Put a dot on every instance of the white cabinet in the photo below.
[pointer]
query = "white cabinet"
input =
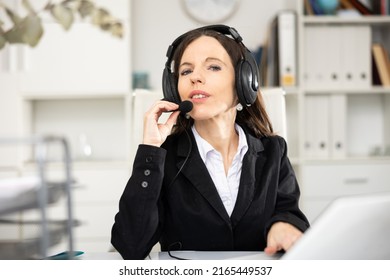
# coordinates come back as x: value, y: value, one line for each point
x: 96, y: 202
x: 83, y: 60
x: 322, y: 183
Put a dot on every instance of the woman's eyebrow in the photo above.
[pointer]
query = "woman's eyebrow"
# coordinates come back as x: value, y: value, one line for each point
x: 208, y: 59
x: 215, y: 59
x: 185, y: 64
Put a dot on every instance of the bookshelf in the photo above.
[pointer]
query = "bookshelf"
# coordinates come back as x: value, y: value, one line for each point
x: 343, y: 139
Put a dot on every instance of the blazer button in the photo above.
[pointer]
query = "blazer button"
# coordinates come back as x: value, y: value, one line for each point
x: 147, y: 172
x: 148, y: 159
x: 144, y: 184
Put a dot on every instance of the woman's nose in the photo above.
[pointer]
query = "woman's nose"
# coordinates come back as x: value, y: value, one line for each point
x: 197, y: 77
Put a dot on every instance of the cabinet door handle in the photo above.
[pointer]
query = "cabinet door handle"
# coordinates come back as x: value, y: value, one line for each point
x: 355, y: 181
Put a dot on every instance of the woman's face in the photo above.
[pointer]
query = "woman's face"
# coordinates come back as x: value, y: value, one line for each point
x: 206, y: 78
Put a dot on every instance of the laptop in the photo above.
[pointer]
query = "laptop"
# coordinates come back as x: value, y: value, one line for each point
x: 350, y: 228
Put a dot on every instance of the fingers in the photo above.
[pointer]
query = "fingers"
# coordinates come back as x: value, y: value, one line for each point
x: 155, y: 133
x: 282, y: 236
x: 272, y: 246
x: 271, y: 250
x: 171, y: 121
x: 160, y: 107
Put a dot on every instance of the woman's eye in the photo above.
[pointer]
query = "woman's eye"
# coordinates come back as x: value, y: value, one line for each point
x: 185, y: 72
x: 214, y: 67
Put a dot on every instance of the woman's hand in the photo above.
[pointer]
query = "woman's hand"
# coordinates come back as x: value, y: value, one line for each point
x: 155, y: 133
x: 281, y: 236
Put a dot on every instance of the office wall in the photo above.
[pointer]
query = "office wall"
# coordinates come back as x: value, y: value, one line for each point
x: 157, y: 23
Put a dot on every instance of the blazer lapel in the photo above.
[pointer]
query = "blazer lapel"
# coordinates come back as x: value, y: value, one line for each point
x: 253, y: 163
x: 204, y: 184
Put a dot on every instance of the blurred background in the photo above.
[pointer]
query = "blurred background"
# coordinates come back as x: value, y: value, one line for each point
x: 82, y: 78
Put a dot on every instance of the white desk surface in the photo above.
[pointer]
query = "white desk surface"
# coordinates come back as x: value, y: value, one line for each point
x: 191, y: 255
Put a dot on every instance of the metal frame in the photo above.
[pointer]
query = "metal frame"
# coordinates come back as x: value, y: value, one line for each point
x: 41, y: 143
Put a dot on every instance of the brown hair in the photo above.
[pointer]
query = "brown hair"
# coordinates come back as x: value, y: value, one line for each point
x: 255, y: 116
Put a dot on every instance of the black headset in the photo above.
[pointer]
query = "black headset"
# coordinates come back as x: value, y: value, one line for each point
x: 246, y: 72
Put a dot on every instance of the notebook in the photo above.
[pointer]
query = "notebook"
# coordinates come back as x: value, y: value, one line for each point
x: 352, y: 227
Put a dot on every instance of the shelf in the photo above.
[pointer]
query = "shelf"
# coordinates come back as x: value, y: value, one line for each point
x: 369, y: 91
x: 291, y: 90
x: 349, y: 161
x: 86, y: 164
x: 91, y: 125
x: 371, y: 20
x: 38, y: 96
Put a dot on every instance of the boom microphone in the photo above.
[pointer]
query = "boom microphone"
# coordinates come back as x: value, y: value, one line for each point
x: 185, y: 107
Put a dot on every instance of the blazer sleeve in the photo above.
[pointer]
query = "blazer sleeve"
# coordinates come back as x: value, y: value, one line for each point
x: 288, y: 194
x: 136, y: 227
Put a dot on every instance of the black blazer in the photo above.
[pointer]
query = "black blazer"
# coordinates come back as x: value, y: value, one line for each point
x: 161, y: 204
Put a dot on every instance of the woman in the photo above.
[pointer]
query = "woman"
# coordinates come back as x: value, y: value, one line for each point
x: 218, y: 179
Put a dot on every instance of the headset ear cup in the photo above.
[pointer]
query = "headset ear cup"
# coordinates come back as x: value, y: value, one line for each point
x: 174, y: 93
x: 239, y: 88
x: 169, y: 87
x: 165, y: 84
x: 246, y: 83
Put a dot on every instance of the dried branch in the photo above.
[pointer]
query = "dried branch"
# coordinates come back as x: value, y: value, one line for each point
x: 29, y: 29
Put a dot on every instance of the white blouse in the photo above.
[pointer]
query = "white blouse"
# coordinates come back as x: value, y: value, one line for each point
x: 227, y: 186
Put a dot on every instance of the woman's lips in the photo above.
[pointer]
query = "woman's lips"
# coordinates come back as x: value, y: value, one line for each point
x: 198, y: 96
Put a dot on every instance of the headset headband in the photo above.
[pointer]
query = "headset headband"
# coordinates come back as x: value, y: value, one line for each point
x: 223, y: 29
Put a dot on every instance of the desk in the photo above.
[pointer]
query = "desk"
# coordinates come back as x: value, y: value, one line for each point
x: 191, y: 255
x: 213, y: 255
